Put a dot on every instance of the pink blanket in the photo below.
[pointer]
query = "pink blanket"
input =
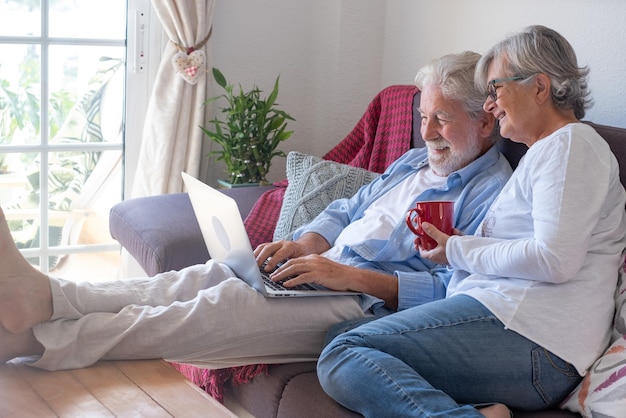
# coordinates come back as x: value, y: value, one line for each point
x: 380, y: 137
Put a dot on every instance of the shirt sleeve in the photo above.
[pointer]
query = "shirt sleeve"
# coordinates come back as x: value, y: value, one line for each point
x: 555, y: 183
x: 417, y: 288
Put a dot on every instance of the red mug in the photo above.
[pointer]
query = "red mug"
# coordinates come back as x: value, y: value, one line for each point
x: 438, y: 213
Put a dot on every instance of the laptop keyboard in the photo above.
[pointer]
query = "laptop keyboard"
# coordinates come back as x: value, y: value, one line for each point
x: 279, y: 285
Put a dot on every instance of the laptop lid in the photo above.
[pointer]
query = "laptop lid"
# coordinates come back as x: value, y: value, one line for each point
x: 227, y: 241
x: 223, y: 231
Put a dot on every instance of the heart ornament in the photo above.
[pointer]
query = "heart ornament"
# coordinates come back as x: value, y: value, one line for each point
x: 190, y: 66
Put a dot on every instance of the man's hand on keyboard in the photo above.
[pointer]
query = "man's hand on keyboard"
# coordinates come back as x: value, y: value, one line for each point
x: 272, y: 254
x: 316, y: 269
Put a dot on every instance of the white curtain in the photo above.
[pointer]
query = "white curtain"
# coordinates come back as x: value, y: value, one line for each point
x: 172, y: 139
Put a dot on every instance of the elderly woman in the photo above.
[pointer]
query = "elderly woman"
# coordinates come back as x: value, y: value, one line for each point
x: 530, y: 304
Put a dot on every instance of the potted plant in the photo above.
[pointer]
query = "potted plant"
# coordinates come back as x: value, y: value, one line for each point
x: 249, y: 134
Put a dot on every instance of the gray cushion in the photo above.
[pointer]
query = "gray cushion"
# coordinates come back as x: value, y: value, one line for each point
x: 313, y: 184
x: 161, y: 232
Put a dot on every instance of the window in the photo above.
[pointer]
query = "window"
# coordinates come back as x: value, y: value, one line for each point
x: 62, y: 101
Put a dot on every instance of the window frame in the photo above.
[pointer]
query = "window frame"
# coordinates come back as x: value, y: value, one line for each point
x: 137, y: 88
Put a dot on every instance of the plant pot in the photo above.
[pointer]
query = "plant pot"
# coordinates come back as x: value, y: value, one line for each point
x: 226, y: 185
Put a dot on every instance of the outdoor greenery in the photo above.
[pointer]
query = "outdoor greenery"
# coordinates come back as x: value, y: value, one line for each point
x: 250, y: 132
x: 71, y: 119
x: 55, y: 77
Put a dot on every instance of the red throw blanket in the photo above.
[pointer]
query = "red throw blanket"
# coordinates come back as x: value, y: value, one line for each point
x: 381, y: 136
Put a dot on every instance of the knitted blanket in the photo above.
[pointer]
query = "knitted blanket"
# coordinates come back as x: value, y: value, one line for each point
x: 380, y: 137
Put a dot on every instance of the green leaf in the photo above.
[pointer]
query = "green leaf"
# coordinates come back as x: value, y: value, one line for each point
x: 272, y: 98
x: 219, y: 78
x: 249, y: 130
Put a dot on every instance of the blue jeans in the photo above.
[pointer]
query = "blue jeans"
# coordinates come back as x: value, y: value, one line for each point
x: 439, y: 359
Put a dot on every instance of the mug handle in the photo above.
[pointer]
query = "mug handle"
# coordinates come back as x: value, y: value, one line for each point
x: 411, y: 220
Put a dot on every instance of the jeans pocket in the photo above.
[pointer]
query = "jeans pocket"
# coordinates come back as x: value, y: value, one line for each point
x: 553, y: 378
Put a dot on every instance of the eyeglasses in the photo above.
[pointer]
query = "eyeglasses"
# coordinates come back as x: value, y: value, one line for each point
x: 491, y: 86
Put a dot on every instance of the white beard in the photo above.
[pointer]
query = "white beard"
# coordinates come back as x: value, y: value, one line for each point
x: 444, y: 165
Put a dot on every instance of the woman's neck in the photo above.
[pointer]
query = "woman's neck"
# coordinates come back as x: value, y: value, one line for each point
x: 551, y: 122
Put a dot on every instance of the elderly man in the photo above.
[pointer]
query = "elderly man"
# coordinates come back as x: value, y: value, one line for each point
x: 202, y: 314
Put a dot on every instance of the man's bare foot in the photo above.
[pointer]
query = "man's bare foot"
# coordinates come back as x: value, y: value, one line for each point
x: 18, y: 345
x: 496, y: 411
x: 25, y: 295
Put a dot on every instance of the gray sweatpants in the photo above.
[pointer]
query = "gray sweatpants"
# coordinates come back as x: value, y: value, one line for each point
x: 200, y: 315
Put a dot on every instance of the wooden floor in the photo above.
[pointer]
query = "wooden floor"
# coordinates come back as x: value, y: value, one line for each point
x: 142, y: 388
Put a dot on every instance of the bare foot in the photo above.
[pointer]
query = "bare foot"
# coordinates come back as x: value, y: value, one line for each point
x: 496, y: 411
x: 18, y: 345
x: 25, y: 295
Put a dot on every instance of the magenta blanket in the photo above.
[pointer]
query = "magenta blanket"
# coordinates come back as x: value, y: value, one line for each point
x: 380, y: 137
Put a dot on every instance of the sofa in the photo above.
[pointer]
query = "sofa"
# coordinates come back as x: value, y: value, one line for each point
x: 162, y: 234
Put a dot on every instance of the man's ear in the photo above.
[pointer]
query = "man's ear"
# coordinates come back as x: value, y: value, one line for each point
x: 544, y: 91
x: 487, y: 124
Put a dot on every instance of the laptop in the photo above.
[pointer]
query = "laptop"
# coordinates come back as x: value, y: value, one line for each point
x: 227, y: 241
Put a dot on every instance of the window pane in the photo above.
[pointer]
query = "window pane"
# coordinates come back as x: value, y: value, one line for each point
x: 86, y: 94
x: 20, y: 196
x: 61, y: 126
x: 14, y: 187
x: 88, y: 19
x: 20, y: 18
x: 20, y: 94
x: 82, y: 187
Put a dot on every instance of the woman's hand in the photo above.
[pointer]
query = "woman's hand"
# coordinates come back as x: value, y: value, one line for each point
x: 437, y: 254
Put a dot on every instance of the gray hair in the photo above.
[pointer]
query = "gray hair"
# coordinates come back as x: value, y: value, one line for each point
x: 538, y: 49
x: 454, y: 75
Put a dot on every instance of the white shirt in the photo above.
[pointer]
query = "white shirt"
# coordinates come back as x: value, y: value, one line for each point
x: 384, y: 214
x: 557, y: 231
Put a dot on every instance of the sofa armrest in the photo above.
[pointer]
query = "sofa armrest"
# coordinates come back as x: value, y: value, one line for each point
x: 162, y: 233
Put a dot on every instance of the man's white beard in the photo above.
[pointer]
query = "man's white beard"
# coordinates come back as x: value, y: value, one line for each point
x: 455, y: 160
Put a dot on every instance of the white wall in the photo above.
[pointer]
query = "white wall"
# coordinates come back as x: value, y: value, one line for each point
x: 328, y: 54
x: 416, y: 31
x: 333, y: 56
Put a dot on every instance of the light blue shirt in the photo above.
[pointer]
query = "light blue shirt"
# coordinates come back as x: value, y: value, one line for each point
x: 473, y: 188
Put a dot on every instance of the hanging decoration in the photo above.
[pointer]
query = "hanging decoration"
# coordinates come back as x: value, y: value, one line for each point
x: 190, y: 63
